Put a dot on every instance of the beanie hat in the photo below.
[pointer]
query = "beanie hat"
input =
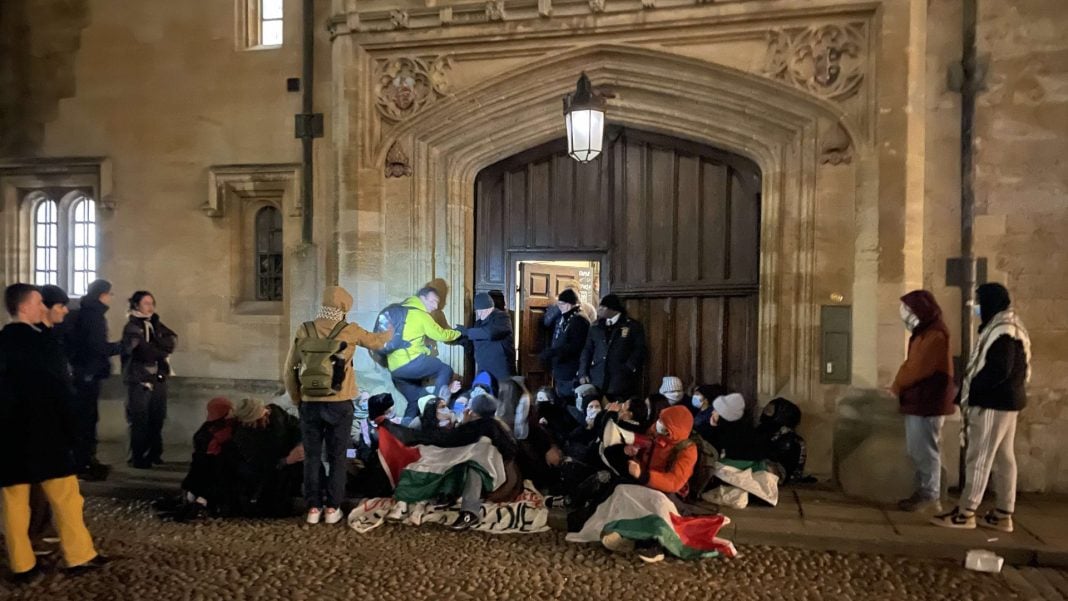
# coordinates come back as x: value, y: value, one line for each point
x: 482, y: 301
x: 219, y: 407
x: 612, y: 302
x: 568, y: 296
x: 486, y: 380
x: 483, y: 405
x: 730, y: 407
x: 671, y: 387
x: 53, y: 295
x: 378, y: 405
x: 249, y: 410
x: 96, y: 288
x: 586, y: 391
x: 423, y: 400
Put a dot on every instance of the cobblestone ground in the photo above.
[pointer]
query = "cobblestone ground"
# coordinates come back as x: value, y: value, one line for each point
x: 286, y: 560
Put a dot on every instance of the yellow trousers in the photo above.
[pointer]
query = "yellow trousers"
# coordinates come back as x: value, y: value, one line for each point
x: 66, y: 502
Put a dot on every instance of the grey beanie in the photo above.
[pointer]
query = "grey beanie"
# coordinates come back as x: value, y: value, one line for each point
x: 484, y: 405
x: 483, y: 301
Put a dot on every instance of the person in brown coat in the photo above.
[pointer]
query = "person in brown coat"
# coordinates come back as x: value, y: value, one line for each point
x: 924, y: 386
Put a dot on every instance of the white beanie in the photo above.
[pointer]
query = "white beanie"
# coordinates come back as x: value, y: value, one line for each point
x: 423, y: 400
x: 730, y: 407
x: 671, y: 387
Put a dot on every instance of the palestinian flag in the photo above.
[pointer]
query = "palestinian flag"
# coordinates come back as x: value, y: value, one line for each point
x: 752, y: 477
x: 641, y: 513
x: 424, y: 472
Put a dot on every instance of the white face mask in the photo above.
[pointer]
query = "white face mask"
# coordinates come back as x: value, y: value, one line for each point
x: 591, y: 412
x: 697, y: 401
x: 673, y: 397
x: 977, y: 310
x: 908, y: 317
x: 578, y: 403
x: 543, y: 398
x: 444, y: 417
x: 661, y: 429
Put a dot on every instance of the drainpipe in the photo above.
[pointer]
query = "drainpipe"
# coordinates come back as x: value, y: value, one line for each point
x: 309, y: 125
x: 970, y: 84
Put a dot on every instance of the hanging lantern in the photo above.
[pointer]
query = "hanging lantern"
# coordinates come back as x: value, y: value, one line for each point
x: 584, y: 118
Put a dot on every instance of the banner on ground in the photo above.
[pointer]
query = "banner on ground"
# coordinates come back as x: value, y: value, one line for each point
x: 752, y: 477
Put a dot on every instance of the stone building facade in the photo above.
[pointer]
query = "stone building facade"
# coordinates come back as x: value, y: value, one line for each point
x: 183, y: 134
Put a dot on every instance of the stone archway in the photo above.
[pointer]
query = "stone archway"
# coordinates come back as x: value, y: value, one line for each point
x: 785, y: 131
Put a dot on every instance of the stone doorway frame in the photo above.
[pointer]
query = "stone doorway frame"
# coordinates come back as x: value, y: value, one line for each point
x: 782, y: 129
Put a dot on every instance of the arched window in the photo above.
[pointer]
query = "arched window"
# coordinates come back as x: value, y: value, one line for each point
x: 83, y: 267
x: 269, y: 254
x: 46, y: 243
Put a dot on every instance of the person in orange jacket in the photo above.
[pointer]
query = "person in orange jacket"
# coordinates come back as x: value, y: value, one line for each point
x: 672, y: 457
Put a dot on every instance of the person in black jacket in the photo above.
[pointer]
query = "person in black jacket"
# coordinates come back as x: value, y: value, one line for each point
x: 146, y: 346
x: 90, y: 352
x: 569, y: 331
x: 37, y: 437
x: 614, y: 355
x: 991, y: 397
x: 491, y: 335
x: 266, y: 459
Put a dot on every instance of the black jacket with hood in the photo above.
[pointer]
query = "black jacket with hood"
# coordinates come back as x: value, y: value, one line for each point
x: 1001, y: 383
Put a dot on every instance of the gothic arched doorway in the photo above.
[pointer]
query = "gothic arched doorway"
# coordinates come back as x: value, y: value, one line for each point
x: 670, y: 225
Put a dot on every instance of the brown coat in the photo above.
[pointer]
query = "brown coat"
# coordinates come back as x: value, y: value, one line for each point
x: 924, y: 383
x: 353, y: 335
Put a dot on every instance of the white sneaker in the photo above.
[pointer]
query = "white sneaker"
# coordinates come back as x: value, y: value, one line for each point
x: 333, y: 515
x: 615, y: 543
x: 313, y: 515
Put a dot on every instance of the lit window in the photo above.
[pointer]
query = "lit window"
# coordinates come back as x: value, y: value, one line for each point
x: 269, y: 254
x: 63, y: 239
x: 84, y: 247
x: 46, y: 243
x: 270, y: 14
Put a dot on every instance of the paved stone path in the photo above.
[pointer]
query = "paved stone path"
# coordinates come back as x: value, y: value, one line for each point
x: 285, y: 560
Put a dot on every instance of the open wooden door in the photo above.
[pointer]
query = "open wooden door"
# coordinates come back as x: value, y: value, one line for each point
x: 539, y: 285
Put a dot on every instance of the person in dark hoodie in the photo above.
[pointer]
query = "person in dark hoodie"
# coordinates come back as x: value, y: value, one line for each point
x: 569, y: 330
x: 90, y: 352
x: 992, y: 395
x: 491, y: 336
x: 614, y: 355
x: 146, y: 347
x: 37, y: 438
x: 924, y: 386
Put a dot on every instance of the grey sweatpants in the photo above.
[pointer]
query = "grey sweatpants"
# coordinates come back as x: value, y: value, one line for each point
x: 991, y: 437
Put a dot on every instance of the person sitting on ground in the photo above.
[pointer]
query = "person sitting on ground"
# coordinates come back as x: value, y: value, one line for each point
x: 730, y: 431
x: 701, y: 400
x: 267, y: 461
x: 554, y: 416
x: 656, y: 403
x: 205, y: 485
x: 672, y: 389
x: 434, y: 413
x: 370, y: 479
x: 539, y: 456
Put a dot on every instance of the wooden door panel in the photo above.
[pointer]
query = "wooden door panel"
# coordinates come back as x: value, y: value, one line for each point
x: 540, y: 284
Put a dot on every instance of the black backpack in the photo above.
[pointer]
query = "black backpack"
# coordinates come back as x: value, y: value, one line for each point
x: 393, y: 316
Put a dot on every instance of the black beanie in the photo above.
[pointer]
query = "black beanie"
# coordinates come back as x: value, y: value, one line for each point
x: 53, y: 295
x: 378, y: 405
x: 613, y: 303
x: 96, y: 288
x: 568, y: 296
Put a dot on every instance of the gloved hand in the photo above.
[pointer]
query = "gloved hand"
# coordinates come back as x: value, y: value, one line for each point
x: 461, y: 329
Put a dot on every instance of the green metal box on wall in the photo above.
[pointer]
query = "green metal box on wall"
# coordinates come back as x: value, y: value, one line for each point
x: 836, y: 344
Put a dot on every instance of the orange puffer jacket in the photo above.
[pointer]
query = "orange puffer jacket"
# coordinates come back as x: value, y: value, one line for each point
x: 669, y: 468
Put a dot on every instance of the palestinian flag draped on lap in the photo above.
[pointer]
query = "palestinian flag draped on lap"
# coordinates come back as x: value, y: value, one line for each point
x: 423, y: 472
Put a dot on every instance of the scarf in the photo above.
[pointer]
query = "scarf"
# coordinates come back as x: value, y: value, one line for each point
x: 221, y: 433
x: 330, y: 314
x: 1005, y: 323
x: 147, y: 320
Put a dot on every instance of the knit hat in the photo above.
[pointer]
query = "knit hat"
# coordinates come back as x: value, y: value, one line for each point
x: 730, y: 407
x: 96, y: 288
x: 423, y: 400
x: 671, y: 387
x: 378, y: 405
x: 486, y: 380
x: 53, y: 295
x: 482, y: 301
x: 483, y: 405
x: 568, y: 296
x: 337, y: 297
x: 249, y: 410
x: 586, y: 391
x: 219, y: 407
x: 612, y: 303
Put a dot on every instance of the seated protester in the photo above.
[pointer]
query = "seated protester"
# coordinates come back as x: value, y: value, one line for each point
x: 436, y: 415
x: 631, y: 415
x: 701, y: 401
x: 266, y: 459
x: 587, y: 435
x: 583, y: 394
x: 777, y: 431
x: 656, y: 404
x: 425, y: 401
x: 370, y: 479
x: 727, y: 430
x: 206, y: 486
x: 539, y: 456
x: 479, y: 421
x: 672, y: 389
x: 486, y: 382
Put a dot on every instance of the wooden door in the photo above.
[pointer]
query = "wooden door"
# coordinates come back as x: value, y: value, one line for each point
x: 539, y: 286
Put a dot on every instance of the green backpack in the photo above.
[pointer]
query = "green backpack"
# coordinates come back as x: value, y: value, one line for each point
x: 319, y: 362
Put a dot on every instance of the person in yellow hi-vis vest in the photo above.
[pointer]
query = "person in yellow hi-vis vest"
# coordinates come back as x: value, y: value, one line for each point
x: 37, y: 437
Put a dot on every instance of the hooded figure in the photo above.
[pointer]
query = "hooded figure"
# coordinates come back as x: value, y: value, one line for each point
x: 673, y: 455
x: 924, y: 383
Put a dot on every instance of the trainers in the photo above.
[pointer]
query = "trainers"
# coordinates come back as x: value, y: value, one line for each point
x: 333, y: 515
x: 28, y: 578
x: 920, y: 503
x: 955, y: 519
x: 614, y: 542
x: 996, y: 519
x: 93, y: 564
x: 314, y: 515
x: 557, y: 502
x: 465, y: 521
x: 651, y: 554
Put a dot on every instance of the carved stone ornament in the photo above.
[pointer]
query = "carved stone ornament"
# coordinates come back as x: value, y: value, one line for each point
x: 397, y: 162
x: 826, y: 60
x: 405, y: 86
x: 597, y: 6
x: 836, y: 148
x: 495, y: 10
x: 399, y: 19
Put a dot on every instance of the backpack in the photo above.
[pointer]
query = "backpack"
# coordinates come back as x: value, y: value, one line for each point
x: 393, y: 316
x: 319, y: 363
x: 704, y: 468
x: 788, y: 449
